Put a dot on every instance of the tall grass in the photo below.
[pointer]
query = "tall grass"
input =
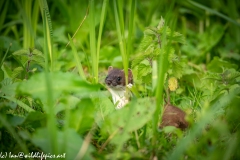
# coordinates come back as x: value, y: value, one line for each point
x: 161, y: 71
x: 30, y: 13
x: 101, y: 25
x: 93, y: 49
x: 95, y: 43
x: 131, y: 27
x: 47, y: 31
x: 125, y: 45
x: 47, y: 48
x: 27, y: 29
x: 78, y: 61
x: 210, y: 10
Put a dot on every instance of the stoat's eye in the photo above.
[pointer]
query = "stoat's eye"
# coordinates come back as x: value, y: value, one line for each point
x: 118, y: 79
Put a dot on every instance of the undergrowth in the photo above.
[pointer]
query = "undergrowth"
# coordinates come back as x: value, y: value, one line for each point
x: 54, y: 58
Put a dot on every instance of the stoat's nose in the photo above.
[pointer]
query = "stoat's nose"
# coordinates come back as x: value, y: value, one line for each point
x: 108, y: 82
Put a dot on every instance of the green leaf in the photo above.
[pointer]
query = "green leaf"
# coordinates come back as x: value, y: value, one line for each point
x: 70, y: 140
x: 82, y: 118
x: 128, y: 119
x: 149, y: 54
x: 177, y: 66
x: 138, y: 59
x: 177, y: 37
x: 25, y: 56
x: 146, y: 42
x: 38, y: 57
x: 144, y: 70
x: 20, y: 103
x: 190, y: 49
x: 217, y: 65
x: 62, y: 83
x: 104, y: 107
x: 35, y: 119
x: 17, y: 71
x: 211, y: 37
x: 7, y: 71
x: 67, y: 100
x: 15, y: 120
x: 21, y: 56
x: 8, y: 88
x: 224, y: 79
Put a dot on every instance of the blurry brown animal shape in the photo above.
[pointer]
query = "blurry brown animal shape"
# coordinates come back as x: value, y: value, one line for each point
x: 173, y: 116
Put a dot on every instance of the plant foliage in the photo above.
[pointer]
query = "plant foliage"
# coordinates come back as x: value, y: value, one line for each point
x: 53, y: 99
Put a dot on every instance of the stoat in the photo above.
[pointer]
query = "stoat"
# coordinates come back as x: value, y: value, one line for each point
x: 115, y: 81
x: 173, y: 116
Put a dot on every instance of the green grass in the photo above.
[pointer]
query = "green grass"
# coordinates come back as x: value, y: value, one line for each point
x: 49, y: 89
x: 48, y: 52
x: 78, y: 62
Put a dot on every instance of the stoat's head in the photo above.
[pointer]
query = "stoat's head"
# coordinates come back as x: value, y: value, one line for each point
x: 116, y: 78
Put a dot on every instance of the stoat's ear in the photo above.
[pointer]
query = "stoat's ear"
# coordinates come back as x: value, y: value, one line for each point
x: 110, y: 68
x: 130, y: 76
x: 129, y: 71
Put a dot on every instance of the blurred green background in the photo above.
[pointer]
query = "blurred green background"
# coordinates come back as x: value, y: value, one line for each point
x: 54, y: 57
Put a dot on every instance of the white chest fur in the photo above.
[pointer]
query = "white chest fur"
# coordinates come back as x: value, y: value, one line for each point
x: 120, y: 97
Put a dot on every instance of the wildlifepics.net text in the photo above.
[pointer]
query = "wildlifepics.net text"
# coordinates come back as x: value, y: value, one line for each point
x: 33, y: 155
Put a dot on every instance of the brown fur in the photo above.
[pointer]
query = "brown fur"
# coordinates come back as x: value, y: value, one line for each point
x: 173, y: 116
x: 116, y: 77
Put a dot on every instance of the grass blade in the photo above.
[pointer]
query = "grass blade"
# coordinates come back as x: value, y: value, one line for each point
x: 132, y: 8
x: 214, y: 12
x: 5, y: 55
x: 121, y: 38
x: 162, y: 65
x: 35, y: 15
x: 20, y: 103
x: 93, y: 41
x: 47, y: 30
x: 102, y: 20
x: 79, y: 26
x: 28, y: 33
x: 78, y: 62
x: 47, y: 27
